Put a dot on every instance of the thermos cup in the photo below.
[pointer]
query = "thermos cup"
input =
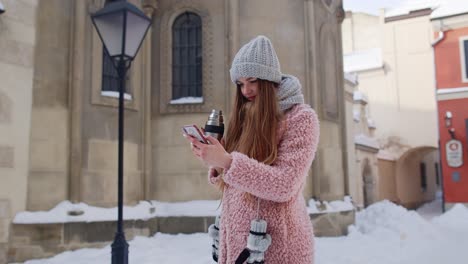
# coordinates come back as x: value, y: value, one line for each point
x: 215, y: 125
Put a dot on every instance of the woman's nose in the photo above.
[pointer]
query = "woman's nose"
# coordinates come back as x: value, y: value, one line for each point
x: 245, y: 89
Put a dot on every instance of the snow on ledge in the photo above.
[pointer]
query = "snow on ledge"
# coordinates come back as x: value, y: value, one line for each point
x: 357, y: 115
x: 352, y: 77
x: 371, y: 123
x: 366, y: 141
x: 188, y: 100
x: 329, y: 207
x: 452, y: 90
x: 145, y: 210
x: 363, y: 60
x: 360, y: 96
x: 142, y: 211
x: 386, y: 155
x: 115, y: 94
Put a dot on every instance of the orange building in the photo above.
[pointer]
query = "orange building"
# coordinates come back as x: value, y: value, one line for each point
x: 451, y: 66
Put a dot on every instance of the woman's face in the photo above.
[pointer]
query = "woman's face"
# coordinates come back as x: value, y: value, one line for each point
x: 249, y: 87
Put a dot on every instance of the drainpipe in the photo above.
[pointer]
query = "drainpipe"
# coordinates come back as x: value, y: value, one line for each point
x: 441, y: 35
x: 433, y: 44
x: 439, y: 38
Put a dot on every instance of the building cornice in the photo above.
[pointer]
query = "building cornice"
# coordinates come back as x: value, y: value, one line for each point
x: 412, y: 14
x: 450, y: 22
x: 452, y: 93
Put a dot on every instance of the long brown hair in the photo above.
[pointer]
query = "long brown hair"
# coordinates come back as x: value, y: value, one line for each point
x: 252, y: 127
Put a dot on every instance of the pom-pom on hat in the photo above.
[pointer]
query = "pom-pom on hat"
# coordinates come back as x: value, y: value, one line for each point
x: 256, y: 59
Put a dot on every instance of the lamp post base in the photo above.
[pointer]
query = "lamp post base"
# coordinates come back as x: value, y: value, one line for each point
x: 119, y: 249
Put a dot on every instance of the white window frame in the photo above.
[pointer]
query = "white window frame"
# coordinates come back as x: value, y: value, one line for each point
x: 464, y: 77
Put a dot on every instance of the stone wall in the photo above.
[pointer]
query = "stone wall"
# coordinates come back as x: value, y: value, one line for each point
x: 49, y: 150
x: 4, y: 228
x: 17, y: 45
x: 302, y: 52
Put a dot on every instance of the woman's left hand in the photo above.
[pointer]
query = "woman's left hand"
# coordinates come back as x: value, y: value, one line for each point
x: 213, y: 154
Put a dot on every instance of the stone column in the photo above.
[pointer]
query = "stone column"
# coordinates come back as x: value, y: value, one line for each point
x: 149, y: 8
x: 325, y: 81
x: 77, y: 42
x: 340, y: 16
x: 232, y: 30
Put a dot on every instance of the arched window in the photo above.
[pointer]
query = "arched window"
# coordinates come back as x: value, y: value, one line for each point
x: 187, y: 56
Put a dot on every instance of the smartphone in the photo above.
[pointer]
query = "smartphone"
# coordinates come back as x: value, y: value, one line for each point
x: 194, y: 131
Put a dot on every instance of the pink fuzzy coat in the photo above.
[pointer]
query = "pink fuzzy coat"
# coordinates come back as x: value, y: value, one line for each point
x: 280, y: 188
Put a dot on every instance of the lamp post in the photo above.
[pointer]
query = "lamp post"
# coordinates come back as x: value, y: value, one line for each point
x: 122, y: 28
x: 2, y: 8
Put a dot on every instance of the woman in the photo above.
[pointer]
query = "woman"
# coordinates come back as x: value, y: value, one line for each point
x: 270, y: 143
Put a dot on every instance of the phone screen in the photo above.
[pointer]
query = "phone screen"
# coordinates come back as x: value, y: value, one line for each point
x: 195, y: 132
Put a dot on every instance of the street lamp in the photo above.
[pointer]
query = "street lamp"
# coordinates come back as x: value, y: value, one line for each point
x: 122, y: 28
x: 2, y: 8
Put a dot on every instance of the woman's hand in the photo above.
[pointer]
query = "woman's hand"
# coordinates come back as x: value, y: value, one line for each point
x: 213, y: 154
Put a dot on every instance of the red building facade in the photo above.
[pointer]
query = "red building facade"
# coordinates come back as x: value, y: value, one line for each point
x: 451, y: 69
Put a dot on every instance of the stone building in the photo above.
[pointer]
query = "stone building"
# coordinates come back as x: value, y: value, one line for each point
x: 363, y: 162
x: 391, y: 54
x: 58, y: 111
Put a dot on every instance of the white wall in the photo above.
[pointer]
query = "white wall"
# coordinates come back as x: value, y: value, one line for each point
x: 401, y: 94
x: 17, y: 31
x: 360, y: 32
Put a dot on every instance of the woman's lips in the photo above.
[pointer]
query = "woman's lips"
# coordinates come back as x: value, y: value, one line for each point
x: 251, y: 98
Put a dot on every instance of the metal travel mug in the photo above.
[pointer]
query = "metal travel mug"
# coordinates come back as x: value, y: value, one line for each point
x: 215, y: 125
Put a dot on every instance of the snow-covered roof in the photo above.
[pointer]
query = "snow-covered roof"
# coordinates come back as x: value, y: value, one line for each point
x: 450, y: 8
x: 441, y: 8
x: 366, y: 141
x: 363, y: 60
x: 370, y: 7
x: 408, y: 6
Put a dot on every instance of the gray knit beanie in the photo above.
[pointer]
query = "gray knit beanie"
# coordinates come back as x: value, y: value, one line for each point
x: 256, y: 59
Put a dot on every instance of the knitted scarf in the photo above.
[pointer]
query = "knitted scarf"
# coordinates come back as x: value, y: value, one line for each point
x: 289, y: 92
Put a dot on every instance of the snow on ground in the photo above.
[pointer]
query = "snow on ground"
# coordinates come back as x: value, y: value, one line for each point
x: 384, y: 233
x: 432, y: 209
x: 161, y: 249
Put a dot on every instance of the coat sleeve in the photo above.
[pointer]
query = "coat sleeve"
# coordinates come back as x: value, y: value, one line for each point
x: 281, y: 180
x: 213, y: 176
